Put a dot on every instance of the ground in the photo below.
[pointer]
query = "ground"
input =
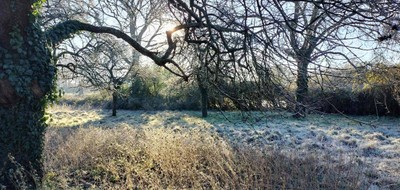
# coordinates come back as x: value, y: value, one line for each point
x: 373, y: 141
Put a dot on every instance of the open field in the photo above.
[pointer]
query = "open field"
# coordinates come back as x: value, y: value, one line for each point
x: 169, y: 149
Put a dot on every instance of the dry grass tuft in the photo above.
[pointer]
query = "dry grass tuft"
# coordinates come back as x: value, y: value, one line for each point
x: 128, y: 158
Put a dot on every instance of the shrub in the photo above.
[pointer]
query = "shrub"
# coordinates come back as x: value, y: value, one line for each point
x: 366, y: 102
x: 94, y: 99
x: 375, y: 91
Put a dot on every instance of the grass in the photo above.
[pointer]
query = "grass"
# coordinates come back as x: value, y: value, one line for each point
x: 88, y: 149
x: 159, y: 158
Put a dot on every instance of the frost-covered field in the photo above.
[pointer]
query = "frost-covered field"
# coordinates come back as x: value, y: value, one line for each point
x: 376, y: 144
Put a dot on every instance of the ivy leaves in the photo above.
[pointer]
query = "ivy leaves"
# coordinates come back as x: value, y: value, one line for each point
x: 28, y: 61
x: 62, y: 31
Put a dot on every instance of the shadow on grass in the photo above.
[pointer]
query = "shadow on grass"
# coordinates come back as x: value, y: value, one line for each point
x: 320, y: 134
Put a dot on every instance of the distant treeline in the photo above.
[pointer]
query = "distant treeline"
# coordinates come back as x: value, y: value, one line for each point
x: 375, y: 92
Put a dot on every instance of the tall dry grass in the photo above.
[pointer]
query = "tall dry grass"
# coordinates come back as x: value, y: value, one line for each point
x: 128, y: 158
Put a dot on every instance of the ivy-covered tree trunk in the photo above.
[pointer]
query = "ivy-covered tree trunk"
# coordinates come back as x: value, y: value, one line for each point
x: 26, y: 78
x: 21, y: 145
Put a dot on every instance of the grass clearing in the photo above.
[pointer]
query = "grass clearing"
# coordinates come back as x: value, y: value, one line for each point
x: 160, y: 158
x: 180, y: 150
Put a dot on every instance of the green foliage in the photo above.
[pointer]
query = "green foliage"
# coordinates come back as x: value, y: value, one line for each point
x: 36, y: 6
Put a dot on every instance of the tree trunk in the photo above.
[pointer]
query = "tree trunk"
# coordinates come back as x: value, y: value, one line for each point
x: 204, y: 100
x: 302, y: 88
x: 203, y: 93
x: 26, y: 78
x: 114, y: 103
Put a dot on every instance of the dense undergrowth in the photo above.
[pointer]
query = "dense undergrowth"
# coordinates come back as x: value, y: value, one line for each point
x: 124, y: 157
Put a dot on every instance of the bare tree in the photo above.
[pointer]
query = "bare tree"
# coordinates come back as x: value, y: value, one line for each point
x: 102, y: 65
x: 247, y: 36
x: 142, y: 20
